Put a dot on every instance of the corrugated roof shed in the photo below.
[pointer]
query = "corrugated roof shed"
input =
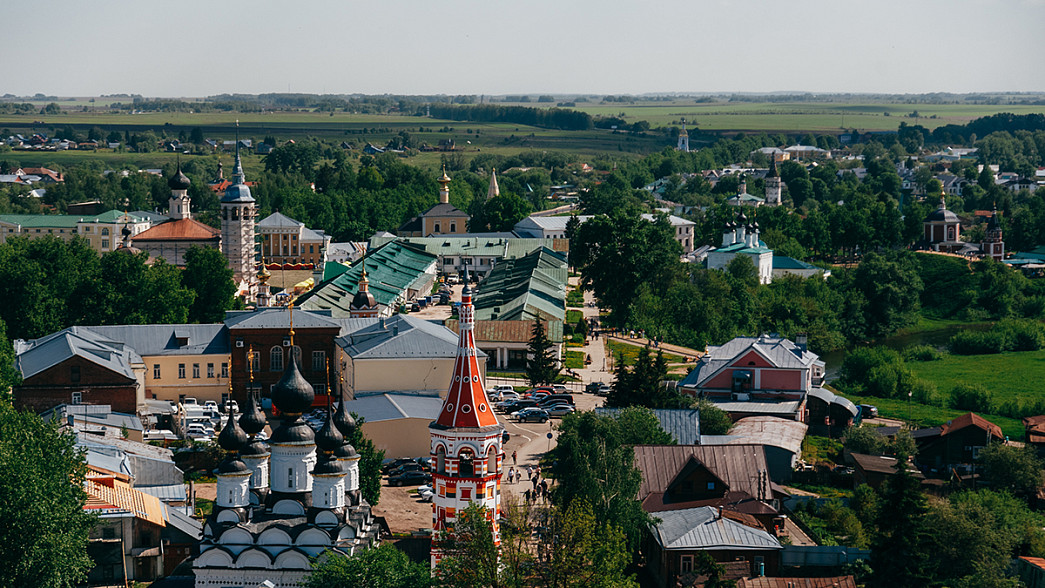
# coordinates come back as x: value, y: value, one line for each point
x: 767, y: 430
x: 736, y: 465
x: 829, y: 582
x: 682, y: 424
x: 703, y: 529
x: 386, y: 407
x: 533, y: 286
x: 401, y: 336
x: 509, y: 331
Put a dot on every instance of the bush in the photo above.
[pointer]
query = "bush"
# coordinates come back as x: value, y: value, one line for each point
x: 922, y: 353
x: 857, y: 367
x: 925, y: 392
x: 1021, y: 334
x: 971, y: 397
x: 977, y: 343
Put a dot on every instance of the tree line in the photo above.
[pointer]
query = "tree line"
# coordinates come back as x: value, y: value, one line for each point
x: 550, y: 118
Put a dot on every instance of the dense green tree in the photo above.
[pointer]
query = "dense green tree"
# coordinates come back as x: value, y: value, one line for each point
x: 883, y: 295
x: 713, y: 420
x: 9, y: 376
x: 643, y: 384
x: 207, y: 273
x: 470, y: 557
x: 594, y: 462
x: 384, y: 566
x: 541, y: 365
x: 902, y: 545
x: 43, y: 526
x: 1016, y: 469
x: 577, y: 550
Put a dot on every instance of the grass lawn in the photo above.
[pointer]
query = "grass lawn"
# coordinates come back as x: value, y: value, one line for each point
x: 573, y: 360
x: 631, y: 352
x: 1015, y: 375
x: 824, y: 491
x: 820, y: 450
x: 921, y: 415
x: 573, y: 316
x: 575, y: 298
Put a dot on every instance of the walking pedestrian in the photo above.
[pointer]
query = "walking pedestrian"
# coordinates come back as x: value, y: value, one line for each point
x: 511, y: 475
x: 515, y: 458
x: 529, y: 471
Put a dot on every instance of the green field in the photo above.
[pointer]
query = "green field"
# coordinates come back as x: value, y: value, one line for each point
x: 1016, y: 375
x: 631, y: 352
x: 921, y: 415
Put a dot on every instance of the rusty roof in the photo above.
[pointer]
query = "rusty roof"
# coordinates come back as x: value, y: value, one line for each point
x: 973, y: 419
x: 492, y: 331
x: 830, y: 582
x: 736, y: 465
x: 185, y: 229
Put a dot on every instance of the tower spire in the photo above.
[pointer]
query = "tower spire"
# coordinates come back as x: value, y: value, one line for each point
x: 494, y: 190
x: 238, y: 174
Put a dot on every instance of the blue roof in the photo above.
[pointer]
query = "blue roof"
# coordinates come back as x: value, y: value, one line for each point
x: 237, y: 193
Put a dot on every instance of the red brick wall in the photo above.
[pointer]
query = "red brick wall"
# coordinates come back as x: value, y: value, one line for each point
x: 263, y: 340
x: 97, y: 385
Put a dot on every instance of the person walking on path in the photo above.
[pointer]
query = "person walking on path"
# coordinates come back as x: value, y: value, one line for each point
x: 529, y: 471
x: 515, y: 458
x: 511, y: 475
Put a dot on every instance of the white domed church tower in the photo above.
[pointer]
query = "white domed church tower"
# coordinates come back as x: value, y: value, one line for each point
x: 466, y: 441
x: 277, y: 506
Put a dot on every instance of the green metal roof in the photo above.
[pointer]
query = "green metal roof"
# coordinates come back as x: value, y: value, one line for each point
x: 477, y: 246
x: 391, y: 270
x: 525, y: 288
x: 782, y: 262
x: 66, y: 221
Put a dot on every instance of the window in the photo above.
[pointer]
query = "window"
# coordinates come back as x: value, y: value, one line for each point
x: 224, y: 370
x: 74, y: 373
x: 254, y: 361
x: 181, y: 371
x: 105, y: 243
x: 311, y: 248
x: 108, y: 533
x: 290, y: 477
x: 276, y: 359
x: 466, y: 493
x: 195, y: 371
x: 440, y: 459
x: 156, y: 371
x: 210, y: 370
x: 467, y: 468
x: 436, y: 228
x: 77, y: 398
x: 686, y: 564
x: 711, y: 485
x: 319, y: 361
x: 105, y: 232
x: 453, y: 227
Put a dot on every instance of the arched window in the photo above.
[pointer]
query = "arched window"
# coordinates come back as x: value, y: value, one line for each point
x: 105, y: 231
x: 436, y: 228
x: 467, y: 469
x: 276, y: 359
x: 440, y: 459
x: 950, y: 233
x: 491, y: 460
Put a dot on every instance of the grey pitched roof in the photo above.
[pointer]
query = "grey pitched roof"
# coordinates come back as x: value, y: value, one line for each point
x: 385, y: 407
x: 682, y: 424
x: 444, y: 209
x: 279, y: 318
x: 164, y: 339
x: 780, y: 352
x: 38, y: 355
x: 400, y: 336
x: 279, y: 220
x: 703, y: 529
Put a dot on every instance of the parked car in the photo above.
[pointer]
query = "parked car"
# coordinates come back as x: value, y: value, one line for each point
x: 406, y: 467
x: 559, y: 410
x: 593, y: 387
x: 502, y: 396
x: 409, y: 479
x: 392, y: 464
x: 515, y: 405
x: 868, y: 411
x: 560, y: 389
x: 604, y: 390
x: 554, y: 399
x: 532, y: 414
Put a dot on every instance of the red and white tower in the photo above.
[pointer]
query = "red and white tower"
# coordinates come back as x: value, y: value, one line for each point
x: 466, y: 441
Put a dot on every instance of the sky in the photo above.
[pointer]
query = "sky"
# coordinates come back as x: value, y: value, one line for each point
x: 201, y: 48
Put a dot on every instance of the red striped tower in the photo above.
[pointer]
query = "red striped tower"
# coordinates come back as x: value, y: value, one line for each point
x: 466, y: 441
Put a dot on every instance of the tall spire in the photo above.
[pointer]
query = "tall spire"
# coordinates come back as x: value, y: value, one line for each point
x: 494, y: 190
x: 238, y: 174
x: 466, y: 404
x: 444, y: 188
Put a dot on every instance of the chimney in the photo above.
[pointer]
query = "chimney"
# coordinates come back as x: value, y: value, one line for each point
x: 382, y: 322
x: 800, y: 341
x: 718, y: 514
x: 395, y: 330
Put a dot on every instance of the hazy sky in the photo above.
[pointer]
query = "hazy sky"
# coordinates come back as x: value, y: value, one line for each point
x: 198, y: 48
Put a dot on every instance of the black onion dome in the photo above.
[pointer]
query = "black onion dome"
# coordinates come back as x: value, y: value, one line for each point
x: 179, y: 181
x: 329, y: 437
x: 255, y: 449
x: 343, y: 419
x: 232, y: 465
x: 328, y: 466
x: 345, y: 451
x: 126, y: 231
x: 994, y: 223
x: 253, y: 421
x: 232, y: 437
x: 293, y: 432
x: 742, y: 219
x: 293, y: 394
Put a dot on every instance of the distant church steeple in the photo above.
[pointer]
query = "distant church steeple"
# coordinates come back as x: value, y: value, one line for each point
x: 494, y: 190
x: 683, y: 138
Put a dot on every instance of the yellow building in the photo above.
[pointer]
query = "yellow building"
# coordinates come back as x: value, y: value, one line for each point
x: 102, y: 231
x: 442, y: 219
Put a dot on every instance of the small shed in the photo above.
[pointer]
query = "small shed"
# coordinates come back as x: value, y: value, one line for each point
x: 828, y: 413
x: 781, y: 438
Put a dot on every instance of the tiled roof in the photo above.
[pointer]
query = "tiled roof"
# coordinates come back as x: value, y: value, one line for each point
x: 973, y: 419
x: 703, y: 529
x: 736, y: 465
x: 185, y: 229
x: 474, y: 244
x: 444, y: 209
